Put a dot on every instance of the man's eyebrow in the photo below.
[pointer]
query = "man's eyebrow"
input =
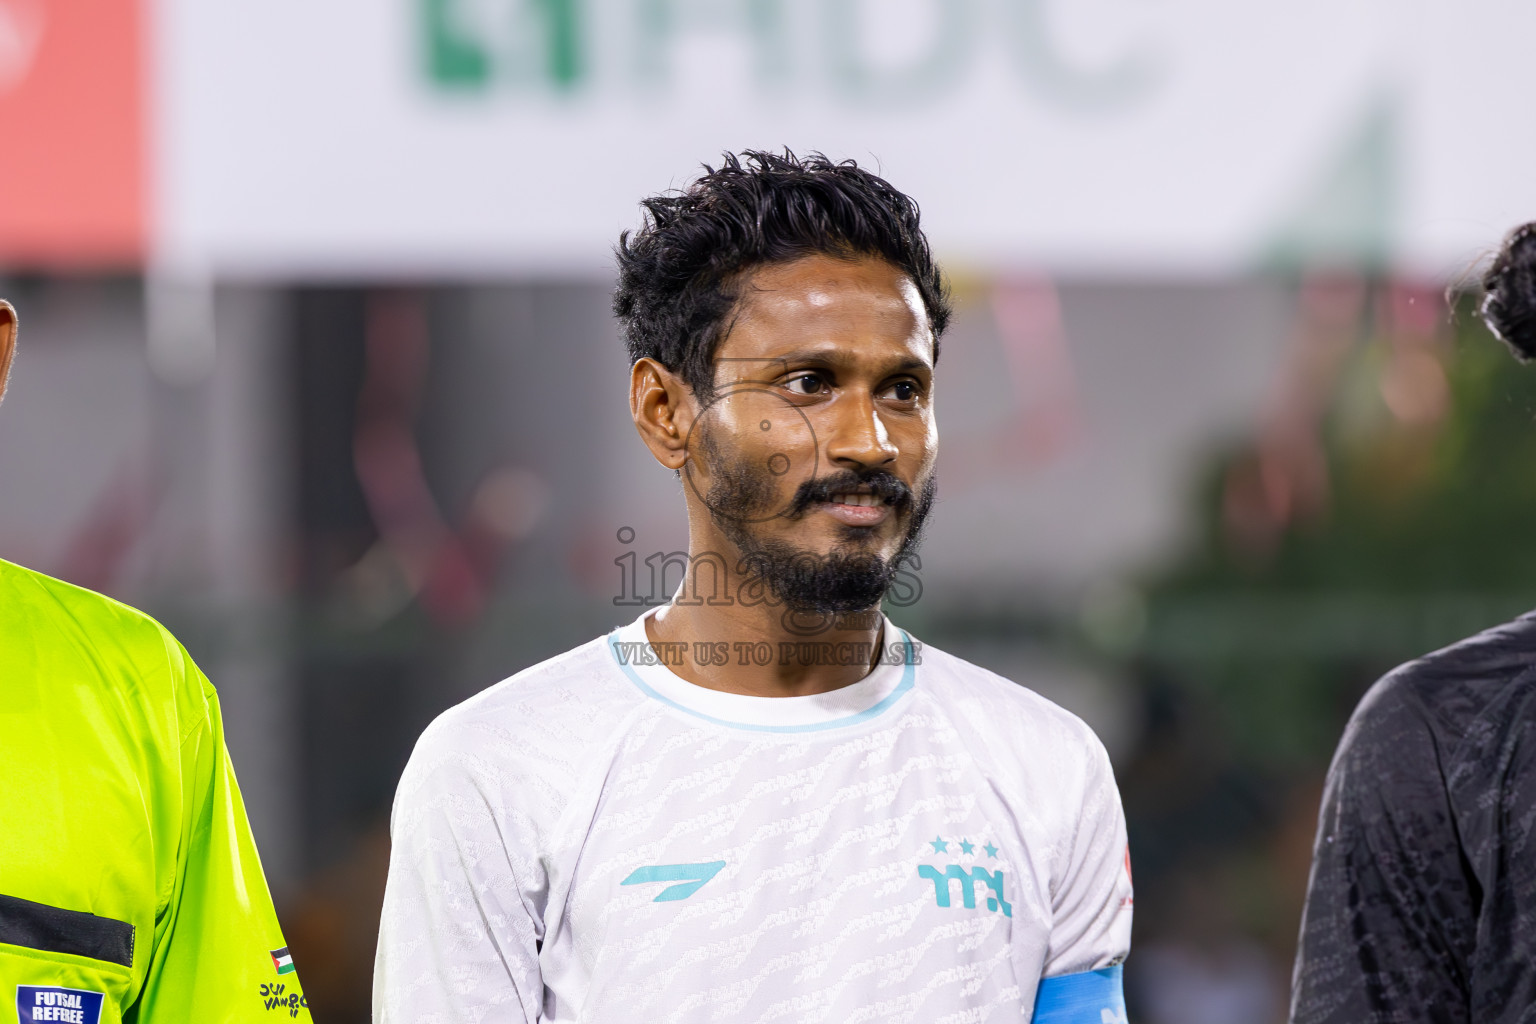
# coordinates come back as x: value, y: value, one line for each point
x: 760, y: 369
x: 835, y: 355
x: 754, y: 368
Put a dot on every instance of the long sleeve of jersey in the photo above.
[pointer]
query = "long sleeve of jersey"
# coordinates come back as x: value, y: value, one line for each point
x: 218, y: 953
x: 459, y: 938
x: 1386, y: 933
x: 1422, y: 901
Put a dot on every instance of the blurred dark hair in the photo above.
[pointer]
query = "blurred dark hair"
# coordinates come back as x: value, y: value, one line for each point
x: 1509, y: 307
x: 679, y: 274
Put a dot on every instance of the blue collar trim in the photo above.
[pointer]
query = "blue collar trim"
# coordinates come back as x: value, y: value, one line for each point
x: 908, y: 680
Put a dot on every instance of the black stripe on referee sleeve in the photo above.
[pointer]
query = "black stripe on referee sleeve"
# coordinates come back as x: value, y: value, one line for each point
x: 56, y: 930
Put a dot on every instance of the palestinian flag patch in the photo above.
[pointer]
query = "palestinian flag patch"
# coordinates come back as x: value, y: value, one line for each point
x: 283, y: 961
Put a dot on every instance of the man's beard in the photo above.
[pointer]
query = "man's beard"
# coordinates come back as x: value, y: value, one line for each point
x: 843, y: 580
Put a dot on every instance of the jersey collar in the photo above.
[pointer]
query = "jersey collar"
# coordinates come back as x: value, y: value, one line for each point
x: 858, y: 702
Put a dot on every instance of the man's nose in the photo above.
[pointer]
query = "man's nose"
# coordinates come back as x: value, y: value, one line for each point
x: 858, y: 439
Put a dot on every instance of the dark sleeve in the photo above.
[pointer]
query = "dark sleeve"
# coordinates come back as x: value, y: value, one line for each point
x: 1391, y: 907
x: 1493, y: 787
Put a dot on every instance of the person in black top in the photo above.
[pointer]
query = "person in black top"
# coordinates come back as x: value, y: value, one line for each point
x: 1422, y: 901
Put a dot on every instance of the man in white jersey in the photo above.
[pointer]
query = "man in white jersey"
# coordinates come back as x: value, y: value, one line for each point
x: 764, y: 801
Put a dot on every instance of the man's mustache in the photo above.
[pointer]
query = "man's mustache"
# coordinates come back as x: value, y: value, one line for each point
x: 880, y: 483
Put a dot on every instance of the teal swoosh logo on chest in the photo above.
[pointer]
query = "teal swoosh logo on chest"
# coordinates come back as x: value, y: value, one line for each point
x: 689, y: 878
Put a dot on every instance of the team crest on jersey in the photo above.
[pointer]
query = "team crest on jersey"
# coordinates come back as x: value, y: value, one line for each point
x: 975, y: 879
x: 37, y: 1003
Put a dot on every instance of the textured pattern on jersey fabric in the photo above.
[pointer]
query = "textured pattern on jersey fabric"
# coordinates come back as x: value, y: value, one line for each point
x: 1422, y: 903
x: 928, y: 862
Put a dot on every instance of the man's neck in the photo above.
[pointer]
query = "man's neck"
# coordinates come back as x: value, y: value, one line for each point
x: 763, y: 650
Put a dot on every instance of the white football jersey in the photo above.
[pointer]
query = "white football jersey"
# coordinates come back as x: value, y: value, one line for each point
x: 598, y: 840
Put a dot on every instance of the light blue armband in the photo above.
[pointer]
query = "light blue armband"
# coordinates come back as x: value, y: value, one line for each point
x: 1093, y: 997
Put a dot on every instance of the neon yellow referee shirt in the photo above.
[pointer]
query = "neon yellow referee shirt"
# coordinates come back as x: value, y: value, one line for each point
x: 130, y: 888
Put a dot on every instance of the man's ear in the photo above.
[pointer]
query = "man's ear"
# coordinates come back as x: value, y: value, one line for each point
x: 663, y: 409
x: 7, y: 342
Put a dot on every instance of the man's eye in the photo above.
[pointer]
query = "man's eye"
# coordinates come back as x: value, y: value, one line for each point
x: 903, y: 390
x: 807, y: 384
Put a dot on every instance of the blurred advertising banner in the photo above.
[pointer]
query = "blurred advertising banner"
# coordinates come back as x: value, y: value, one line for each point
x: 72, y: 133
x: 484, y: 137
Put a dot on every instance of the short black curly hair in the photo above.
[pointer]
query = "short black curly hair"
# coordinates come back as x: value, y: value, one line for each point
x: 1509, y: 286
x: 678, y: 274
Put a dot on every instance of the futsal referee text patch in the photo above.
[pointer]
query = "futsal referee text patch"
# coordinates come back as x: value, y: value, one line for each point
x: 36, y: 1003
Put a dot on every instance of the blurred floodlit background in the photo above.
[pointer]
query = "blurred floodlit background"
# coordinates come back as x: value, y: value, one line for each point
x: 316, y: 364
